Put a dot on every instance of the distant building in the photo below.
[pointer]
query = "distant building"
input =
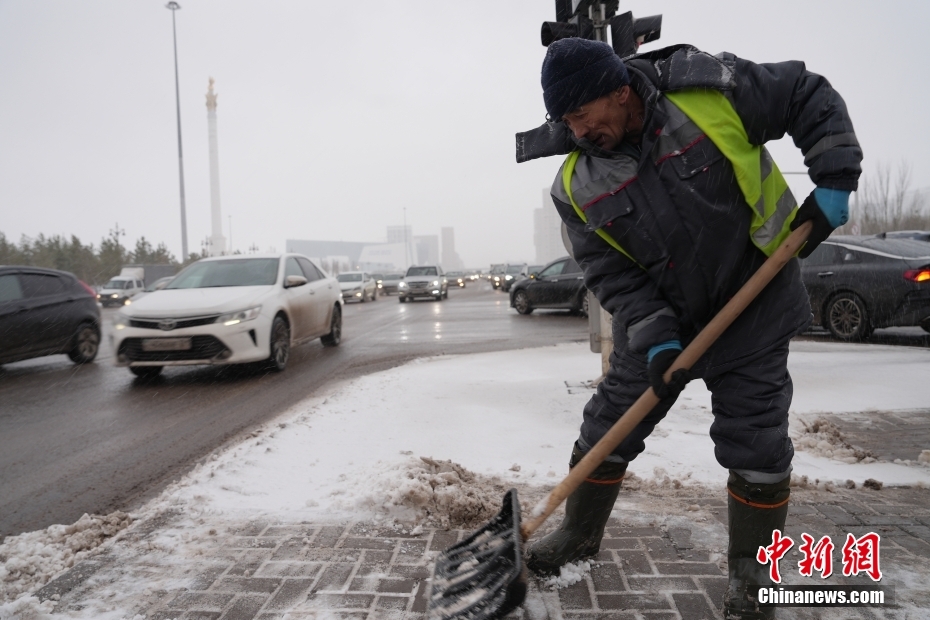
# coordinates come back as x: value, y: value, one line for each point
x: 384, y: 257
x: 450, y: 258
x: 427, y: 249
x: 350, y: 249
x: 547, y: 231
x: 399, y: 234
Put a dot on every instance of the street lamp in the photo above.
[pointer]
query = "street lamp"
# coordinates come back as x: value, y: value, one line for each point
x: 174, y: 6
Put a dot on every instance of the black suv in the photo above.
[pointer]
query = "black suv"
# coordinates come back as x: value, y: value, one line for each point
x: 44, y: 312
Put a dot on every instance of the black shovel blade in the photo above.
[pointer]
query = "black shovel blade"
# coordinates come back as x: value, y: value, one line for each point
x: 483, y: 576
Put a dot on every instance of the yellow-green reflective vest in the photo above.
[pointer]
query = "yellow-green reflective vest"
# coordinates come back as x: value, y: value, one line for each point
x: 767, y: 194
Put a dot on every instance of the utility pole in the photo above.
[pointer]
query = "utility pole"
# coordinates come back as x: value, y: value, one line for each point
x: 173, y: 7
x: 406, y: 243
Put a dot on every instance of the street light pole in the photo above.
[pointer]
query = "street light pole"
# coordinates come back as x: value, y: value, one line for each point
x: 174, y: 6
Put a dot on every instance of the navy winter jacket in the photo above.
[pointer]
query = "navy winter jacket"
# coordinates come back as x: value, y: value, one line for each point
x: 683, y: 217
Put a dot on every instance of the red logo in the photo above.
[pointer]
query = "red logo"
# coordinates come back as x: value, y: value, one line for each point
x: 774, y: 552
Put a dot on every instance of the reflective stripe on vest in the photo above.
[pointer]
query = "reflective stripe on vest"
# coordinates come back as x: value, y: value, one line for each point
x: 710, y: 113
x: 568, y: 169
x: 763, y: 186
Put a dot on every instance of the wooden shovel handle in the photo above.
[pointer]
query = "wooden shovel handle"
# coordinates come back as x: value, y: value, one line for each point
x: 645, y: 403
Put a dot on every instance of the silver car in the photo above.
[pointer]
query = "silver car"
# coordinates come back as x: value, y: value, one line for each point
x: 423, y: 281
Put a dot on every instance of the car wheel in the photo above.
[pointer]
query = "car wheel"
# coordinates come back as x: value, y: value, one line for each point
x: 145, y: 372
x: 847, y: 318
x: 374, y: 295
x: 280, y: 345
x: 584, y: 302
x: 334, y: 337
x: 522, y: 303
x: 402, y: 300
x: 85, y: 345
x: 446, y: 294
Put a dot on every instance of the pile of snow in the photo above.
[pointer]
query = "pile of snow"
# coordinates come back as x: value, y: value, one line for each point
x: 30, y: 560
x: 27, y: 608
x: 569, y: 574
x: 435, y: 493
x: 824, y: 438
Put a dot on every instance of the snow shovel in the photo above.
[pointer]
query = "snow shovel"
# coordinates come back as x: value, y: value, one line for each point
x: 483, y: 576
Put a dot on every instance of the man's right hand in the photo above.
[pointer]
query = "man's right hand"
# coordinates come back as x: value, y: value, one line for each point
x: 660, y: 358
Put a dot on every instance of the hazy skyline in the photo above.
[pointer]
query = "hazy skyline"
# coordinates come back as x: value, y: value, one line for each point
x: 331, y: 123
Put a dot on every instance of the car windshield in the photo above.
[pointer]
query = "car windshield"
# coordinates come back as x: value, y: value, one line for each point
x: 117, y: 284
x: 514, y: 269
x: 394, y: 276
x: 237, y: 272
x: 422, y: 271
x: 349, y: 277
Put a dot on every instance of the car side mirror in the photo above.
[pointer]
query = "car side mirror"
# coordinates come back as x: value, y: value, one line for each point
x: 292, y: 281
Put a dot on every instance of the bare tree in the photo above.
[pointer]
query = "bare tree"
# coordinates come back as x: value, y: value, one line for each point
x: 886, y: 202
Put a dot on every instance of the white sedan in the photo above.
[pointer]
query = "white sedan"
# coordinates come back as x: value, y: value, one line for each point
x: 358, y: 286
x: 230, y: 310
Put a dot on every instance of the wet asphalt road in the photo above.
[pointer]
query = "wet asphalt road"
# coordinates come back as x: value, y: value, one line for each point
x: 93, y: 439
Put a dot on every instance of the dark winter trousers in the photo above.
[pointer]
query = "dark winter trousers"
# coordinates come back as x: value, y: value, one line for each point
x: 750, y: 400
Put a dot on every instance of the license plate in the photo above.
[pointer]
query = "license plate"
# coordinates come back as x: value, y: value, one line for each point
x: 166, y: 344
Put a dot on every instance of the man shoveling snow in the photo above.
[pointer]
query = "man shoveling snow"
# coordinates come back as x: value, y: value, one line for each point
x: 671, y: 204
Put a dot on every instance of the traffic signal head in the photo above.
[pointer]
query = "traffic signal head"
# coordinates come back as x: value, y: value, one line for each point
x: 589, y: 19
x: 578, y: 26
x: 628, y: 33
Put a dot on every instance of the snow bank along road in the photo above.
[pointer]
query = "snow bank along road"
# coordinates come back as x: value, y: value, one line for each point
x: 92, y: 439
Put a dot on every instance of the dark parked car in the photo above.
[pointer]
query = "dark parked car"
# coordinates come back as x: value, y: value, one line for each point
x: 44, y: 312
x: 857, y: 284
x: 559, y: 284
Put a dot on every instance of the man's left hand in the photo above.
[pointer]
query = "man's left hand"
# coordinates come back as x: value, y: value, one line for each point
x: 661, y: 357
x: 829, y: 209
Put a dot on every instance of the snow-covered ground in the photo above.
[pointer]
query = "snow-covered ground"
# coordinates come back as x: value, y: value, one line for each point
x: 500, y: 418
x: 515, y: 415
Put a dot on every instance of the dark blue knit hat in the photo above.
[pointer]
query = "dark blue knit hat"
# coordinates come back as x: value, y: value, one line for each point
x: 576, y: 71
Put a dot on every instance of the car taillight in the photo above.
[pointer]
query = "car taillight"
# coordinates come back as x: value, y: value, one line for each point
x: 91, y: 291
x: 917, y: 275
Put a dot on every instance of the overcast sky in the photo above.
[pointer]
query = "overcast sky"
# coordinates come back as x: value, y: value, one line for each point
x: 335, y: 116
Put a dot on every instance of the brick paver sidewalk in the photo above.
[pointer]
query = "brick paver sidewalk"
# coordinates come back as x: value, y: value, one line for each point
x: 362, y: 572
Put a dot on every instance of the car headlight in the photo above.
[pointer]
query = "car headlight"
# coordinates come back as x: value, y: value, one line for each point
x: 239, y: 316
x: 435, y: 282
x: 114, y: 295
x: 120, y: 321
x: 401, y: 285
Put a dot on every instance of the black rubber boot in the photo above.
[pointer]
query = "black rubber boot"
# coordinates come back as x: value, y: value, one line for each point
x: 755, y: 510
x: 586, y: 512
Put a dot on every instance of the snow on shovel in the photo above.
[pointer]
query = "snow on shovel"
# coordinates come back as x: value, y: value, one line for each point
x: 483, y: 576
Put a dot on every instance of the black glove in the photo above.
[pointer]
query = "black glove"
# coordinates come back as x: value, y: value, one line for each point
x: 661, y: 362
x: 837, y: 207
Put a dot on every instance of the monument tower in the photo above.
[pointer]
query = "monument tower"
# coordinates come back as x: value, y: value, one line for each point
x: 217, y: 240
